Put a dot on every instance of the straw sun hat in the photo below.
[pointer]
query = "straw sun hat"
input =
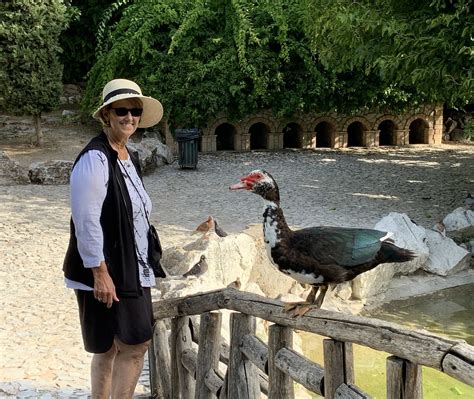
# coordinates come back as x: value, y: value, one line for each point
x: 121, y: 89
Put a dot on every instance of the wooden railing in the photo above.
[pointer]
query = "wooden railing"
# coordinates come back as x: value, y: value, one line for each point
x: 248, y: 368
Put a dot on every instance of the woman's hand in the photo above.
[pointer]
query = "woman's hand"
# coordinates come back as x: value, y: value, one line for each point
x: 104, y: 287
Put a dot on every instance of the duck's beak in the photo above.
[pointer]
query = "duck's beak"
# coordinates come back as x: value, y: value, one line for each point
x: 244, y: 184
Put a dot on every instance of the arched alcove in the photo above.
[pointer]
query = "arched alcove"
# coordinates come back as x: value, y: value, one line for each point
x: 355, y: 134
x: 387, y: 132
x: 418, y: 132
x: 324, y: 135
x: 225, y: 137
x: 292, y: 136
x: 258, y: 136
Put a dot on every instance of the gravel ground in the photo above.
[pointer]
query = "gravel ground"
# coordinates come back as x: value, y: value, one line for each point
x: 41, y: 351
x: 333, y: 187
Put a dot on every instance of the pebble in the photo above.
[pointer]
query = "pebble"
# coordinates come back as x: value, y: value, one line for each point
x: 41, y: 352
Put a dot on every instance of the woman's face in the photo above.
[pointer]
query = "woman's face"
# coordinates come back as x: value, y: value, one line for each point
x: 123, y: 126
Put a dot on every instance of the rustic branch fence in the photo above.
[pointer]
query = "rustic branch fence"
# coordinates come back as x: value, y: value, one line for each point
x: 248, y: 368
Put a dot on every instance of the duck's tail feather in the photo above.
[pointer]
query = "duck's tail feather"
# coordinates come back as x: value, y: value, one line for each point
x: 394, y: 254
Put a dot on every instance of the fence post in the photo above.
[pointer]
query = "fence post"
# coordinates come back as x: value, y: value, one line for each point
x: 209, y: 352
x: 158, y: 354
x: 182, y: 383
x: 242, y: 374
x: 280, y: 384
x: 154, y: 389
x: 338, y: 366
x: 404, y: 379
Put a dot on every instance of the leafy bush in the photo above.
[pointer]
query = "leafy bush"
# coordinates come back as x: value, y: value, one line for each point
x: 234, y: 57
x: 30, y: 71
x: 79, y: 40
x: 469, y: 129
x: 426, y: 45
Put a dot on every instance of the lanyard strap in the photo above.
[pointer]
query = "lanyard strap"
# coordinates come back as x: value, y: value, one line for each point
x: 130, y: 219
x: 136, y: 189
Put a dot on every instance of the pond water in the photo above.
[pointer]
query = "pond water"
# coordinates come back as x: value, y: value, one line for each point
x: 449, y: 312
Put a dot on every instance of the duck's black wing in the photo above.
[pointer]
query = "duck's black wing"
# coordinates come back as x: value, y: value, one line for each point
x: 334, y: 245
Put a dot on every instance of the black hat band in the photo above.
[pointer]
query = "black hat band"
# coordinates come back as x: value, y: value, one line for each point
x: 118, y: 92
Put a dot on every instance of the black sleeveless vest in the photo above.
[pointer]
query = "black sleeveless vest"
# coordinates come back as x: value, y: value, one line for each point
x: 117, y: 227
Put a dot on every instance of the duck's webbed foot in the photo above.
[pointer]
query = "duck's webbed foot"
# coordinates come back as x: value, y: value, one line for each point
x: 298, y: 309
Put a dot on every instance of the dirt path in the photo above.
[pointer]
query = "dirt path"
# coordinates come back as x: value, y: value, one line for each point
x: 40, y: 340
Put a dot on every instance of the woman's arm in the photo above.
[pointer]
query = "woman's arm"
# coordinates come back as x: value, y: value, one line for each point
x: 89, y: 180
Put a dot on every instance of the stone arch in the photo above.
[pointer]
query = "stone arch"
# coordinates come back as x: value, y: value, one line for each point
x: 271, y: 123
x: 363, y: 121
x: 325, y: 133
x: 409, y: 120
x: 216, y: 122
x: 328, y: 119
x: 387, y: 132
x: 383, y: 118
x: 259, y: 135
x: 225, y: 137
x: 355, y: 134
x: 292, y: 135
x: 281, y: 124
x: 418, y: 131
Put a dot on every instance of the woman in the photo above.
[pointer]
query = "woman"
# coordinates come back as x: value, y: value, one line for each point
x: 106, y: 261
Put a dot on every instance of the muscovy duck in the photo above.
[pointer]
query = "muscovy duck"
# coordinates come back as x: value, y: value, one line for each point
x: 321, y: 255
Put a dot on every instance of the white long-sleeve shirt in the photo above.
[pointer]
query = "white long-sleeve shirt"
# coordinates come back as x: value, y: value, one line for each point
x: 89, y: 180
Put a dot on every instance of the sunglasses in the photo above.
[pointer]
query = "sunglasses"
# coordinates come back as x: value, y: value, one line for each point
x: 122, y: 111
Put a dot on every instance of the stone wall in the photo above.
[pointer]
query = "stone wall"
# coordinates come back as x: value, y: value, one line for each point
x: 265, y: 131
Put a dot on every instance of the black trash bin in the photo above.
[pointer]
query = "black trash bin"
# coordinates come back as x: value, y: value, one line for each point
x: 188, y: 141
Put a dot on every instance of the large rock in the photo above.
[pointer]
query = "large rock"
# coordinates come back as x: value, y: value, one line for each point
x: 152, y: 152
x: 239, y: 257
x: 406, y: 234
x: 50, y: 172
x: 459, y: 225
x: 236, y: 256
x: 11, y: 172
x: 243, y: 257
x: 446, y: 257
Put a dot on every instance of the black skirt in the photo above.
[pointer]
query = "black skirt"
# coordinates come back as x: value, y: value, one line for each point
x: 130, y: 320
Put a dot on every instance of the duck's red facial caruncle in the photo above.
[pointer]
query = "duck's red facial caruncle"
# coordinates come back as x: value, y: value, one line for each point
x: 248, y: 182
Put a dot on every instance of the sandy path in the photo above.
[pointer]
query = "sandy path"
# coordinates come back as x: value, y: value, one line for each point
x: 39, y: 334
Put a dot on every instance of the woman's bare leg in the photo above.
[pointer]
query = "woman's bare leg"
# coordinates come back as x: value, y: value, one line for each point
x: 128, y: 365
x: 101, y: 373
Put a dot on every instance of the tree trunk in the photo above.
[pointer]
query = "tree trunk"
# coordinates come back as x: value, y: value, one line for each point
x: 39, y: 130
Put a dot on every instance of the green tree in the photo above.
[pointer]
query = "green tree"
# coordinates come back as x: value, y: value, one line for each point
x: 202, y: 58
x: 424, y: 46
x: 30, y: 71
x: 79, y: 41
x: 205, y: 57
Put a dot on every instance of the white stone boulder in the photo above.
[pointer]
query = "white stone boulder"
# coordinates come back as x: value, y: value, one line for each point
x: 243, y: 257
x: 50, y: 172
x: 445, y: 257
x: 406, y: 234
x: 460, y: 219
x: 152, y: 152
x: 341, y: 299
x: 11, y: 172
x: 236, y: 256
x: 459, y: 225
